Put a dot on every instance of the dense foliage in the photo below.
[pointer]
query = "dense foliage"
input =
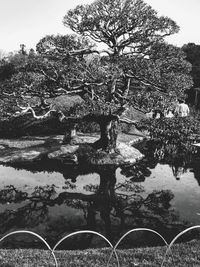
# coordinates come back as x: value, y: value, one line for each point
x: 136, y: 67
x: 172, y: 139
x: 192, y: 52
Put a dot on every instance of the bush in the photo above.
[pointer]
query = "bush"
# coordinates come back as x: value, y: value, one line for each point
x: 172, y: 138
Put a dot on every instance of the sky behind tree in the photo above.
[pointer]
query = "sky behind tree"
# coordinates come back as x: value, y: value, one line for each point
x: 27, y: 21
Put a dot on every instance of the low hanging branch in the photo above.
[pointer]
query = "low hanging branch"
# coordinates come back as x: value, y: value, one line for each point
x: 30, y: 109
x: 128, y: 121
x: 47, y: 76
x: 98, y: 118
x: 10, y: 94
x: 85, y: 87
x: 61, y: 53
x: 88, y: 118
x: 147, y: 83
x: 126, y: 91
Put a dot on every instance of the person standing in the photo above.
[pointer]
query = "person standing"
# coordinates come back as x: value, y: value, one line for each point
x: 182, y: 109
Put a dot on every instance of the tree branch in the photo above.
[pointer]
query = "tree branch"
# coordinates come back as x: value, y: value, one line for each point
x: 30, y: 109
x: 126, y: 91
x: 147, y: 83
x: 128, y: 121
x: 11, y: 94
x: 46, y: 75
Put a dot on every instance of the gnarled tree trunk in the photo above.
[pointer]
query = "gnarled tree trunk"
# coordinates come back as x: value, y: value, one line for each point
x: 108, y: 133
x: 108, y: 130
x: 70, y: 134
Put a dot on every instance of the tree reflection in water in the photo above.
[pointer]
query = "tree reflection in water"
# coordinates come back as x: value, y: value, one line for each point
x: 111, y: 208
x: 177, y: 156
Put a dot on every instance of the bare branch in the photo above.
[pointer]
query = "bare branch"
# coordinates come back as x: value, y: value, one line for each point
x: 74, y: 91
x: 64, y: 54
x: 61, y: 117
x: 127, y: 121
x: 113, y: 86
x: 106, y: 51
x: 147, y: 83
x: 82, y: 51
x: 46, y: 75
x: 126, y: 91
x: 11, y: 94
x: 30, y: 109
x: 80, y: 88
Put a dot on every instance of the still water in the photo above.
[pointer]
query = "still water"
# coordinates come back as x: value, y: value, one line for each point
x: 56, y: 201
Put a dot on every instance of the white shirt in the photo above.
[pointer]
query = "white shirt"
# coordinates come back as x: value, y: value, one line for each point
x: 169, y: 115
x: 183, y: 110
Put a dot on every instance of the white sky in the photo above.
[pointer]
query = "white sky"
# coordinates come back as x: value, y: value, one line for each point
x: 27, y: 21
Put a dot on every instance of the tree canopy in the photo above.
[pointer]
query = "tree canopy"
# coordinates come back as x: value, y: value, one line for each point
x: 120, y: 24
x: 192, y: 52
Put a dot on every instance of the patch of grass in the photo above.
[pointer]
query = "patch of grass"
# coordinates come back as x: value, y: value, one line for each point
x: 184, y: 254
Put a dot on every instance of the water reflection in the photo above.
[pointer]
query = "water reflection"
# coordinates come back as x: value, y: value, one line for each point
x: 176, y: 156
x: 115, y: 204
x: 111, y: 207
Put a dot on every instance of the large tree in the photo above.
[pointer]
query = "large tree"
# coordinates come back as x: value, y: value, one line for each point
x: 135, y: 67
x: 192, y: 52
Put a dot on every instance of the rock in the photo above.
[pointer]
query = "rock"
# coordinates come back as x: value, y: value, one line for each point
x: 85, y: 154
x: 65, y: 154
x: 17, y: 143
x: 129, y: 153
x: 80, y: 153
x: 22, y: 156
x: 63, y: 151
x: 69, y: 159
x: 133, y: 114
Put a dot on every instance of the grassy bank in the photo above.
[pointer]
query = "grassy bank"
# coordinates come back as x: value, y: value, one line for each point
x: 185, y: 254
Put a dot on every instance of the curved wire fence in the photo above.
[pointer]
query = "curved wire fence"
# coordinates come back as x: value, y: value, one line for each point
x: 113, y: 249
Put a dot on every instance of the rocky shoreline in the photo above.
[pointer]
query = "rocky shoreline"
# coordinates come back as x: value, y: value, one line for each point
x: 33, y: 149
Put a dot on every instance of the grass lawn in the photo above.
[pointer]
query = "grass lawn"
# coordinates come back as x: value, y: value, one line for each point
x: 186, y: 254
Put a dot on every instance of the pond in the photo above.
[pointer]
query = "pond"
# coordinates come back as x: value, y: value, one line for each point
x: 54, y: 201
